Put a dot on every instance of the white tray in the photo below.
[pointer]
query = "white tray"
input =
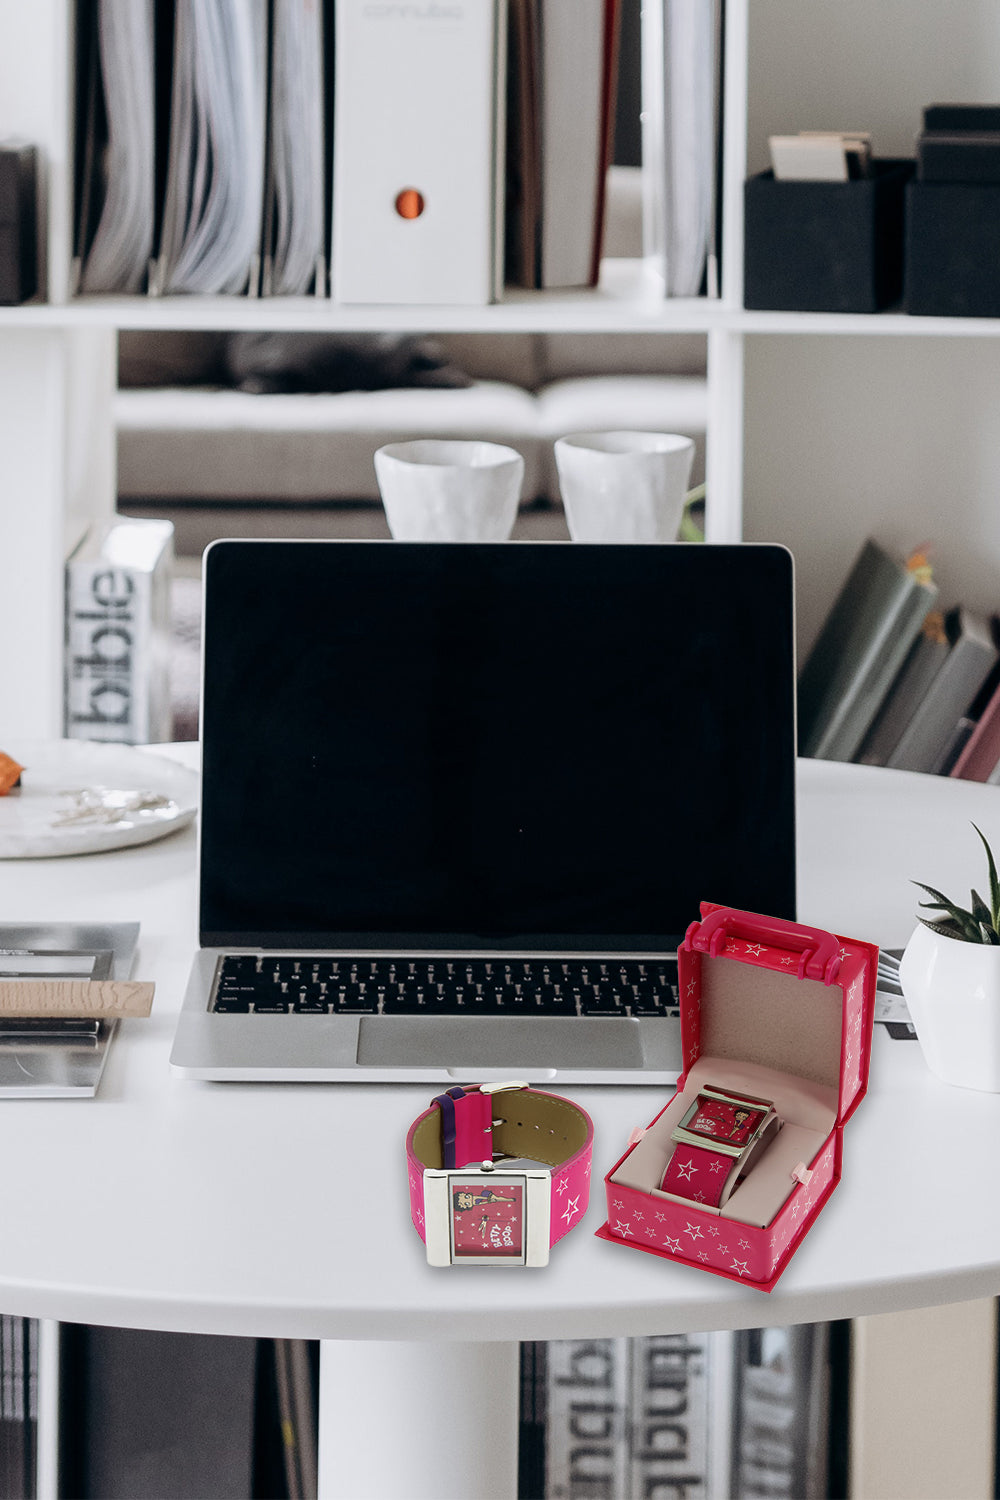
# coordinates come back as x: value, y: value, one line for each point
x: 82, y: 797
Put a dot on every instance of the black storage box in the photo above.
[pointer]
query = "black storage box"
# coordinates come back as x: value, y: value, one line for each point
x: 953, y: 249
x: 825, y: 246
x: 18, y: 231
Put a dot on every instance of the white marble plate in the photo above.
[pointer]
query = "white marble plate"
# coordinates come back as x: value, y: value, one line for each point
x: 81, y: 797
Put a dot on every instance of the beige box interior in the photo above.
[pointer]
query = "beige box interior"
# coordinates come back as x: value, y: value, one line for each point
x: 771, y: 1036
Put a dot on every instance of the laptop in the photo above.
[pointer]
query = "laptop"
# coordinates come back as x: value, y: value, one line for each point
x: 461, y: 802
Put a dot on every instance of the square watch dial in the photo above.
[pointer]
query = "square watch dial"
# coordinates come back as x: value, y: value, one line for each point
x: 487, y: 1219
x: 728, y: 1120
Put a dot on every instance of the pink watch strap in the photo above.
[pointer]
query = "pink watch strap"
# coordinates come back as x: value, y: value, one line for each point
x: 697, y: 1173
x: 465, y: 1127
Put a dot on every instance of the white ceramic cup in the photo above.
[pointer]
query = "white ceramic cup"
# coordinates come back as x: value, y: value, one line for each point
x: 442, y: 491
x: 624, y: 486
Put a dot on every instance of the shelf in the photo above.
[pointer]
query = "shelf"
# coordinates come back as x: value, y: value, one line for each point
x: 620, y: 305
x: 624, y: 302
x: 878, y: 325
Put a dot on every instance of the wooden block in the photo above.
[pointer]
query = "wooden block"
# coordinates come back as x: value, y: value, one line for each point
x: 75, y: 997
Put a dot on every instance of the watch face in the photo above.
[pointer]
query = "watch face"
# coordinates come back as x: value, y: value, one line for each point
x: 726, y: 1120
x: 487, y: 1219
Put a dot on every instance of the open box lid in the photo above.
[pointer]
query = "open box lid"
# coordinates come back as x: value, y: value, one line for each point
x: 764, y: 990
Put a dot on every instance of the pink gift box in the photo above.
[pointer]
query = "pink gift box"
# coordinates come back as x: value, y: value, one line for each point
x: 770, y: 1010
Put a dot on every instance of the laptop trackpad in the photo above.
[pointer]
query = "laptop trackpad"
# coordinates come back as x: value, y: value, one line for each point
x: 484, y: 1041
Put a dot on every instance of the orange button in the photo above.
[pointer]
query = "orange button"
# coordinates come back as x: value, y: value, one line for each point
x: 409, y: 203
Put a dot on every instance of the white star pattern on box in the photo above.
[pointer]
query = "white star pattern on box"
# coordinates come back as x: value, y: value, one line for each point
x: 703, y: 1255
x: 755, y: 949
x: 561, y: 1185
x: 843, y: 952
x: 650, y: 1233
x: 685, y: 1169
x: 694, y: 1230
x: 695, y: 1050
x: 691, y: 987
x: 744, y: 1244
x: 788, y: 960
x: 661, y: 1218
x: 854, y: 993
x: 740, y: 1266
x: 617, y: 1203
x: 419, y: 1216
x: 674, y: 1246
x: 621, y: 1228
x: 639, y: 1214
x: 714, y: 1231
x: 572, y: 1209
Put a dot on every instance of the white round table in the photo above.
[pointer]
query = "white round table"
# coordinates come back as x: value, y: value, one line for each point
x: 281, y: 1210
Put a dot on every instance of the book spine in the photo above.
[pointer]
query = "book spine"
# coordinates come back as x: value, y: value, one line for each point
x: 116, y: 655
x: 840, y: 736
x: 670, y: 1428
x: 782, y: 1418
x: 586, y: 1424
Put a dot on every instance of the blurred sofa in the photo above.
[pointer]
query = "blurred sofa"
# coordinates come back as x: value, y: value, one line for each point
x: 199, y: 453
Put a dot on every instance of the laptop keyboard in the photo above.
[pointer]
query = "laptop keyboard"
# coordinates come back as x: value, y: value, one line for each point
x: 281, y: 985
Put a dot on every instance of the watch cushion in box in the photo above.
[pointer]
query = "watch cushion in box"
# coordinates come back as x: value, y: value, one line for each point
x: 770, y: 1011
x: 825, y: 246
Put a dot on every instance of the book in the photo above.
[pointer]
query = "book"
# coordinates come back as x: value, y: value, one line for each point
x: 609, y: 1417
x: 293, y: 258
x: 523, y: 152
x: 781, y: 1416
x: 907, y: 692
x: 681, y: 110
x: 418, y: 171
x: 578, y: 44
x: 212, y: 212
x: 980, y: 754
x: 860, y: 648
x: 18, y: 1407
x: 117, y: 633
x: 929, y: 735
x: 116, y: 212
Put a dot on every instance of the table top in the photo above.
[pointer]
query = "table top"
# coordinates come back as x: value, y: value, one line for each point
x: 282, y: 1210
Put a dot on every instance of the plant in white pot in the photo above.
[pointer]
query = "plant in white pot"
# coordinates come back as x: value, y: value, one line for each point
x: 950, y: 977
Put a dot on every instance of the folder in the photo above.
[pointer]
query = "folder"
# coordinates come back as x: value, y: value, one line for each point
x: 418, y: 146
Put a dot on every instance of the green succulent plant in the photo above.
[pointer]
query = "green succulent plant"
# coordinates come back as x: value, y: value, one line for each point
x: 980, y: 923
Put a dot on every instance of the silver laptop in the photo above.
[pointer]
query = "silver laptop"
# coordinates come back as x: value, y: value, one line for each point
x: 461, y: 802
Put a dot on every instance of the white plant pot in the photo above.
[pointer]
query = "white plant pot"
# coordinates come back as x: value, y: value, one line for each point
x: 952, y: 990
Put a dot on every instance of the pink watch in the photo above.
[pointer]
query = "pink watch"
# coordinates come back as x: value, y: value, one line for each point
x: 478, y: 1195
x: 718, y: 1140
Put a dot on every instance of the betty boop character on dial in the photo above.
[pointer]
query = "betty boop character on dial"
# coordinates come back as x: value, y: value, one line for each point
x: 465, y: 1198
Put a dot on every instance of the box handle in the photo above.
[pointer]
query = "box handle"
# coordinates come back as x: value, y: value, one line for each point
x: 819, y: 950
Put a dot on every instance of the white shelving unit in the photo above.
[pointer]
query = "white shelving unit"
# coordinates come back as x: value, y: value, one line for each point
x: 822, y: 428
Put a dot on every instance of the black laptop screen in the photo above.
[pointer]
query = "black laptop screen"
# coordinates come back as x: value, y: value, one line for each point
x: 506, y: 745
